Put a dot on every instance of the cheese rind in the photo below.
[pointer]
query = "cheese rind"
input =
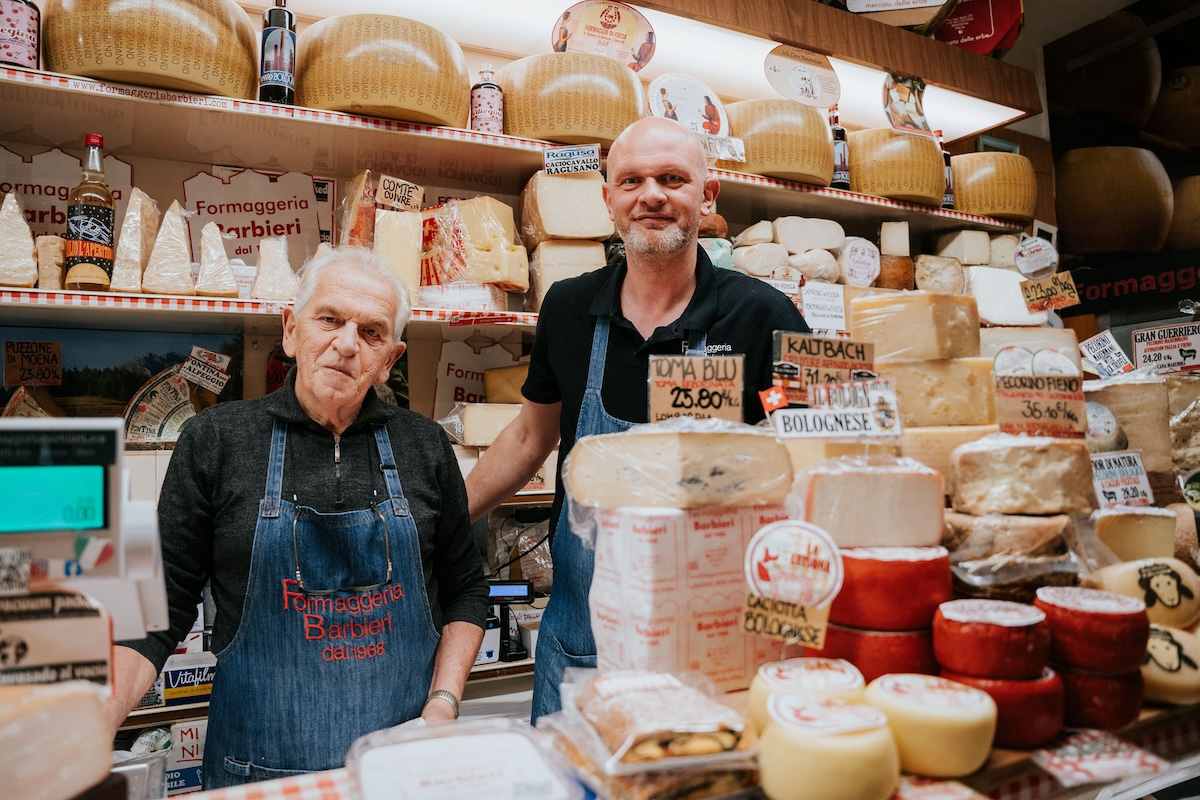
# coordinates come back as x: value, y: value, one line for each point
x: 923, y: 572
x: 503, y: 384
x: 969, y: 247
x: 932, y: 446
x: 1094, y: 630
x: 1029, y: 713
x: 169, y: 270
x: 275, y: 279
x: 812, y: 678
x: 472, y: 241
x: 18, y: 261
x: 801, y: 234
x: 877, y: 653
x: 998, y: 293
x: 1007, y: 474
x: 216, y: 274
x: 760, y: 232
x: 939, y: 274
x: 955, y: 391
x: 654, y: 465
x: 569, y: 206
x: 50, y: 261
x: 896, y: 272
x: 1141, y: 406
x: 1101, y: 700
x: 972, y: 537
x: 1137, y: 532
x: 916, y: 325
x: 558, y: 259
x: 397, y: 236
x: 991, y: 639
x: 135, y: 241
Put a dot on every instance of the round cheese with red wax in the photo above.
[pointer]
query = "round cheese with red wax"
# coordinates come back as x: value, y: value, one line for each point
x: 1100, y: 700
x: 991, y: 639
x: 877, y: 653
x: 1094, y: 630
x: 1029, y: 713
x: 891, y: 588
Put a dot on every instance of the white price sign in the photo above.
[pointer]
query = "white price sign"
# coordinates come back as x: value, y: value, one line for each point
x: 1120, y: 479
x: 824, y: 305
x: 1167, y: 348
x: 574, y: 158
x: 1106, y: 355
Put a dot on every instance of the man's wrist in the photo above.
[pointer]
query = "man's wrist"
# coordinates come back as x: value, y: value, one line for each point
x: 446, y: 697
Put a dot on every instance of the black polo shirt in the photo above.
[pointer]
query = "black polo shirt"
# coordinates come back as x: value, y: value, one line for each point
x: 737, y: 312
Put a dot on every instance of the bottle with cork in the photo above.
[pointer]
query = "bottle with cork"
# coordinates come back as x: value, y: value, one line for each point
x: 88, y: 253
x: 277, y: 67
x: 487, y: 103
x: 841, y: 152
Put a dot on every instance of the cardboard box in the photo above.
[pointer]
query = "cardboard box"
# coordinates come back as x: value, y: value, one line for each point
x: 187, y: 756
x: 188, y: 678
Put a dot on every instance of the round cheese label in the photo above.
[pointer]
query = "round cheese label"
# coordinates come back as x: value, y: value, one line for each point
x: 795, y: 562
x: 1050, y: 361
x: 158, y: 411
x: 1096, y: 601
x: 896, y: 553
x: 992, y: 612
x: 689, y: 102
x: 930, y: 690
x: 1013, y: 360
x: 612, y: 30
x: 803, y: 76
x: 1035, y: 257
x: 1104, y: 433
x: 815, y: 674
x: 810, y: 716
x: 861, y: 263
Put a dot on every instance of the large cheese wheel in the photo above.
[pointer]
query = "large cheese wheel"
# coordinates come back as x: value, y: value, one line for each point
x: 1185, y: 221
x: 896, y: 165
x: 1001, y: 185
x: 1171, y: 672
x: 1112, y: 199
x: 1177, y: 113
x: 1094, y: 630
x: 383, y: 66
x: 783, y: 139
x: 891, y: 588
x: 577, y: 98
x: 1101, y: 700
x: 943, y: 729
x: 991, y: 639
x: 812, y: 678
x: 1029, y: 713
x: 203, y: 46
x: 878, y: 653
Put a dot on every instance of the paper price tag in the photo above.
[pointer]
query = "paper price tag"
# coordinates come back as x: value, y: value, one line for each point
x: 876, y: 397
x: 704, y: 387
x: 1106, y: 355
x: 33, y: 363
x: 824, y: 305
x: 1050, y: 293
x: 881, y: 418
x: 1120, y: 479
x: 801, y: 360
x: 1035, y: 257
x: 794, y: 571
x: 204, y: 374
x: 1167, y: 348
x: 398, y: 195
x: 1041, y: 405
x: 573, y: 158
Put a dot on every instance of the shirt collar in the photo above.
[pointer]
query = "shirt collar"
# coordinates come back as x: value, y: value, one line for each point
x: 701, y: 310
x: 284, y: 405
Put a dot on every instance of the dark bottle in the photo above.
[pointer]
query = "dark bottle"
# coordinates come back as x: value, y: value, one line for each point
x: 20, y: 21
x: 948, y: 192
x: 487, y: 103
x: 277, y: 68
x: 88, y: 252
x: 841, y: 152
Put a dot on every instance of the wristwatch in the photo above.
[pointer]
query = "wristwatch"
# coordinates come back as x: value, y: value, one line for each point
x: 442, y: 694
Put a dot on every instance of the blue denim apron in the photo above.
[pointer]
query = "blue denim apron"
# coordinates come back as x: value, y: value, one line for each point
x: 336, y: 639
x: 565, y: 634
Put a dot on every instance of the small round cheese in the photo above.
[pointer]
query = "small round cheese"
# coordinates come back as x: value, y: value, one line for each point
x: 877, y: 653
x: 827, y: 750
x: 943, y: 729
x: 813, y: 678
x: 991, y: 639
x: 1169, y: 587
x: 896, y: 165
x: 1029, y: 713
x: 783, y: 139
x: 1001, y: 185
x: 1104, y: 433
x: 1172, y: 670
x: 858, y: 262
x: 1094, y: 630
x: 1101, y: 700
x: 891, y: 588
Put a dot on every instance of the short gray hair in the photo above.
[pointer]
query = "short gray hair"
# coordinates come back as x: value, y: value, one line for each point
x: 359, y: 258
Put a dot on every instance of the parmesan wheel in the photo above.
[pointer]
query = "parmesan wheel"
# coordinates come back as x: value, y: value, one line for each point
x: 1177, y: 114
x: 1001, y: 185
x: 1112, y: 199
x: 896, y: 165
x: 784, y: 139
x: 383, y: 66
x: 203, y: 46
x: 1185, y: 222
x: 576, y: 98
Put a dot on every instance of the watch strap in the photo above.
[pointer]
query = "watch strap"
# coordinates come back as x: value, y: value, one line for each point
x: 442, y: 694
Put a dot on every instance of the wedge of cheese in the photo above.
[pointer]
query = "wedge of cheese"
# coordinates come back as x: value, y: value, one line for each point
x: 969, y: 247
x: 275, y: 279
x: 760, y: 232
x: 801, y: 234
x: 169, y: 270
x: 998, y: 293
x: 1007, y: 474
x: 18, y: 262
x: 398, y: 241
x: 358, y: 212
x: 955, y: 391
x: 50, y: 261
x: 939, y: 274
x: 916, y: 325
x: 472, y: 241
x: 816, y: 265
x: 558, y: 259
x: 216, y: 274
x: 503, y: 384
x: 483, y: 422
x: 567, y: 206
x: 135, y: 241
x: 1136, y: 532
x: 41, y: 723
x: 759, y: 259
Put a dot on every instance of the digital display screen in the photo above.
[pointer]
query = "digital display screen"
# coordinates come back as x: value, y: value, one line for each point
x: 512, y: 591
x: 52, y: 498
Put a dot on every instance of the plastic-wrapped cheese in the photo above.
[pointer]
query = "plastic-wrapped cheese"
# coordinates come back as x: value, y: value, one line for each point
x: 567, y: 206
x: 1137, y: 532
x: 557, y: 259
x: 1171, y: 673
x: 939, y: 274
x: 472, y: 241
x: 896, y: 165
x: 760, y: 232
x: 783, y: 139
x: 202, y: 46
x: 1094, y: 630
x: 576, y: 98
x: 1112, y: 199
x: 810, y: 678
x: 18, y: 260
x: 954, y: 391
x: 943, y: 729
x: 991, y: 639
x: 1140, y: 404
x: 916, y: 325
x: 275, y: 279
x: 216, y: 275
x: 816, y: 265
x: 358, y: 212
x: 932, y: 446
x: 1001, y: 185
x: 483, y: 422
x: 760, y: 259
x: 998, y: 293
x: 919, y: 575
x: 1169, y: 587
x: 998, y: 534
x: 50, y: 261
x: 1029, y: 713
x: 169, y: 270
x: 1007, y: 474
x: 858, y: 262
x: 383, y: 66
x: 801, y: 234
x: 827, y: 750
x: 397, y: 236
x: 134, y: 242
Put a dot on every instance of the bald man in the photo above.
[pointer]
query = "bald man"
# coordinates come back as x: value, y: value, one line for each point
x: 589, y: 368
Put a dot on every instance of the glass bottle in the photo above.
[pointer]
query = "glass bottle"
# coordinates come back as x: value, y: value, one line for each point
x: 487, y: 103
x: 277, y: 66
x: 88, y: 254
x: 20, y: 21
x: 841, y: 152
x: 948, y: 192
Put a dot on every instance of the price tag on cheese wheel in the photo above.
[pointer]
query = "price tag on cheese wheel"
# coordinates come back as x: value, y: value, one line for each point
x: 32, y: 363
x: 1120, y: 479
x: 1091, y: 756
x: 1041, y: 405
x: 794, y: 571
x: 1047, y: 294
x: 801, y: 360
x: 705, y: 387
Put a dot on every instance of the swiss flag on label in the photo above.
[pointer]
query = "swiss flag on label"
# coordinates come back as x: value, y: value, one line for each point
x: 772, y: 399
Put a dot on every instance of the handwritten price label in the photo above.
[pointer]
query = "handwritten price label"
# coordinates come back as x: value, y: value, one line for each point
x: 696, y: 386
x: 1120, y: 479
x: 801, y: 361
x: 33, y: 363
x: 1047, y: 294
x: 1050, y: 405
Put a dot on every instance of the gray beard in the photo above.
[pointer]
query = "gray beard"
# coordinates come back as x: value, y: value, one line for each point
x: 660, y: 243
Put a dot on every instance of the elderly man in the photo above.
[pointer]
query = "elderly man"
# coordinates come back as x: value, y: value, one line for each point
x: 333, y: 528
x: 590, y: 363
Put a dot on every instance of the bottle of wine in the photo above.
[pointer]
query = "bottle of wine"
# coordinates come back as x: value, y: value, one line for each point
x: 277, y: 68
x: 88, y: 253
x: 487, y: 103
x: 841, y: 152
x: 948, y: 192
x: 20, y: 21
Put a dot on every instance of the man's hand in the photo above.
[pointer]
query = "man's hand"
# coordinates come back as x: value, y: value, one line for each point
x: 437, y: 710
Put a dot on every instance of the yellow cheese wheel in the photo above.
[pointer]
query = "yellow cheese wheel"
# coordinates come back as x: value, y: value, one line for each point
x: 1177, y: 114
x: 1001, y: 185
x: 897, y: 165
x: 383, y: 66
x: 1185, y: 221
x: 783, y: 139
x: 1112, y: 199
x: 203, y: 46
x: 574, y: 98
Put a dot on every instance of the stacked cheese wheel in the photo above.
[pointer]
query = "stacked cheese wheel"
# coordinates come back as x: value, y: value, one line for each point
x: 1131, y: 412
x: 1001, y: 648
x: 798, y: 249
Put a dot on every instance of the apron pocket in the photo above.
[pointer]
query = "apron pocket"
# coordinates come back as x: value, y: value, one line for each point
x: 256, y: 772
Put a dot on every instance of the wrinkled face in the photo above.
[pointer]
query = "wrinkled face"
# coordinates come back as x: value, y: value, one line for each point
x: 657, y: 188
x: 342, y: 338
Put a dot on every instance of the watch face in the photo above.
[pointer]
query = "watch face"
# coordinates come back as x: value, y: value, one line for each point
x: 689, y: 102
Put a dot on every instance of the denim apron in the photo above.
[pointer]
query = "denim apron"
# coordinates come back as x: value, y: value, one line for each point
x: 336, y: 639
x: 565, y: 634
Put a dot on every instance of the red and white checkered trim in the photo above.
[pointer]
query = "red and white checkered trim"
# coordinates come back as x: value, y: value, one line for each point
x: 1036, y: 785
x: 1172, y: 741
x: 331, y: 785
